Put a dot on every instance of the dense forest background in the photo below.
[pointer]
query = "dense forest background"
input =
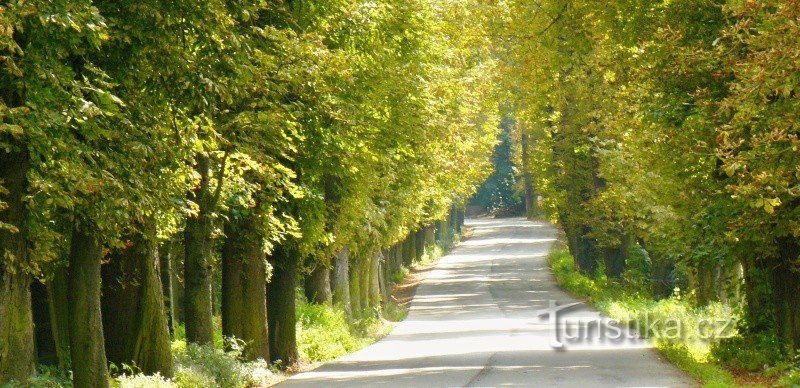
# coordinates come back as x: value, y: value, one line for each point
x: 499, y: 194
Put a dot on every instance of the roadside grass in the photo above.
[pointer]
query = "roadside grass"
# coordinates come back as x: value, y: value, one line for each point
x: 658, y: 320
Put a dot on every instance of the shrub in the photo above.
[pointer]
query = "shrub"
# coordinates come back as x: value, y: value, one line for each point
x: 323, y: 333
x: 203, y: 366
x: 749, y: 353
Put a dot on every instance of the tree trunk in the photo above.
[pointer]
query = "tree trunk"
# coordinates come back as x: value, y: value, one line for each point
x: 17, y: 353
x: 165, y: 264
x: 244, y: 288
x: 758, y: 292
x: 178, y: 294
x: 430, y: 236
x: 453, y: 221
x: 318, y: 285
x: 134, y: 317
x: 460, y: 217
x: 385, y: 275
x: 702, y: 281
x: 409, y: 250
x: 615, y: 257
x: 87, y: 352
x: 419, y: 244
x: 584, y: 250
x: 198, y: 308
x: 59, y: 315
x: 374, y: 296
x: 444, y: 232
x: 340, y: 280
x: 663, y: 282
x: 531, y: 205
x: 786, y: 291
x: 355, y: 284
x: 364, y: 277
x: 281, y: 306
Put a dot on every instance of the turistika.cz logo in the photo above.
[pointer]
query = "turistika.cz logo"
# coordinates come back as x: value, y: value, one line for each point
x: 570, y: 326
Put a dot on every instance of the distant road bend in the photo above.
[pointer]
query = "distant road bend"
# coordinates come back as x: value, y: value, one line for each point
x: 477, y: 321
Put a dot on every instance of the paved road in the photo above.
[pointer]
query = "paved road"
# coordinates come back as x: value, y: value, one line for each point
x: 478, y: 320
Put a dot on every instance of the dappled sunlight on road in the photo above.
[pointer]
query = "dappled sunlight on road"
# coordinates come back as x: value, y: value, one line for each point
x: 478, y: 320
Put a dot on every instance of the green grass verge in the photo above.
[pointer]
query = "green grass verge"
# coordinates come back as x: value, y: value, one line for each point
x: 658, y: 319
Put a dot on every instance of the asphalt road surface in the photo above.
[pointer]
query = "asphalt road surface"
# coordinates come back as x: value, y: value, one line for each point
x: 484, y: 318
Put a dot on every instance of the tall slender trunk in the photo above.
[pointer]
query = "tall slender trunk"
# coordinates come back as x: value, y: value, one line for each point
x: 583, y: 249
x: 178, y: 289
x: 165, y: 264
x: 444, y: 232
x: 281, y: 306
x: 17, y: 353
x: 419, y: 244
x: 134, y: 317
x: 615, y: 257
x: 455, y: 227
x: 244, y: 287
x: 663, y: 282
x: 197, y: 263
x: 702, y: 281
x: 385, y: 274
x: 430, y: 236
x: 355, y: 283
x: 409, y: 250
x: 340, y: 281
x: 531, y: 205
x: 374, y: 297
x: 758, y: 293
x: 85, y: 321
x: 318, y: 285
x: 786, y: 292
x: 364, y: 277
x: 59, y: 315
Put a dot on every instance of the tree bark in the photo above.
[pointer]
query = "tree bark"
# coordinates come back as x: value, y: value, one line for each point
x: 615, y: 257
x: 318, y: 285
x: 430, y: 236
x: 444, y: 233
x: 583, y: 249
x: 786, y: 291
x: 374, y: 296
x: 176, y: 263
x: 165, y: 264
x: 364, y: 277
x: 453, y: 221
x: 409, y: 250
x: 57, y: 292
x: 281, y: 306
x: 531, y: 205
x: 87, y: 352
x: 758, y: 292
x: 134, y: 316
x: 244, y: 288
x: 17, y: 353
x: 702, y: 280
x: 198, y: 308
x: 419, y: 244
x: 355, y: 284
x: 340, y: 281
